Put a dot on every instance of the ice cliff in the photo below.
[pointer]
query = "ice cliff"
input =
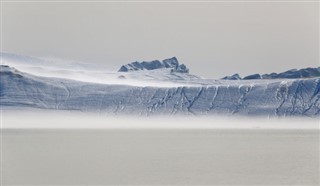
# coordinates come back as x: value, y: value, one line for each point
x: 196, y: 96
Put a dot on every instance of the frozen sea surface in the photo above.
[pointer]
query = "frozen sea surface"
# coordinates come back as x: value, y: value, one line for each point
x: 63, y: 156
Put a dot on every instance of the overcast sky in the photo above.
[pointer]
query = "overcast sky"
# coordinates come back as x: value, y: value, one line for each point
x: 213, y: 39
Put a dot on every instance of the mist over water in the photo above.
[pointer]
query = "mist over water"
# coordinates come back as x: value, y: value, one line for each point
x: 75, y: 148
x: 77, y: 120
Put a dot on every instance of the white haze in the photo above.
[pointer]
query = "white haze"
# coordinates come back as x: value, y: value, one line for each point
x: 79, y: 120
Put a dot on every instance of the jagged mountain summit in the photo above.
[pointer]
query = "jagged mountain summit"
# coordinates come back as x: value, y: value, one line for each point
x: 22, y: 88
x: 170, y: 63
x: 290, y: 74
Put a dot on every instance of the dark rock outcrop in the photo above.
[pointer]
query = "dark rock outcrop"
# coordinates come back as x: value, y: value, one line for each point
x: 170, y: 63
x: 290, y: 74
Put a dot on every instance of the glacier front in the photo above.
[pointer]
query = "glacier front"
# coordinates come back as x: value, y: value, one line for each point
x: 186, y: 95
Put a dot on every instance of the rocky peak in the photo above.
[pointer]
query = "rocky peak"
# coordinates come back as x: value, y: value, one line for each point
x: 170, y: 63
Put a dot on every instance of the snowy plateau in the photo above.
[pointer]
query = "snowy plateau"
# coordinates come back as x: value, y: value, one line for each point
x: 153, y: 88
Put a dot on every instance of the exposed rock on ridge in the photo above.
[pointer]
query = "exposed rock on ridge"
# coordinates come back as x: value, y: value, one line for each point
x: 290, y: 74
x: 170, y: 63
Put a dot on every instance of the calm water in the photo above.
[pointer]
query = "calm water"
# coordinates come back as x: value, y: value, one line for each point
x: 160, y: 157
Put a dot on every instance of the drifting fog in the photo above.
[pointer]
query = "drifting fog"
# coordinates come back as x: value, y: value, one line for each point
x: 79, y: 120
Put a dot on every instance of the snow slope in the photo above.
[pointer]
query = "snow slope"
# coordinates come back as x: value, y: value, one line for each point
x: 90, y: 73
x: 186, y: 95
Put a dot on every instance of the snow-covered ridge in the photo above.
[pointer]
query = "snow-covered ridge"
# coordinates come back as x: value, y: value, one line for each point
x: 290, y: 74
x: 154, y: 92
x: 170, y: 63
x: 91, y: 73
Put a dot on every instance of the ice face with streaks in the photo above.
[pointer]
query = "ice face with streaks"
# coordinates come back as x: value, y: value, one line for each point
x: 181, y: 93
